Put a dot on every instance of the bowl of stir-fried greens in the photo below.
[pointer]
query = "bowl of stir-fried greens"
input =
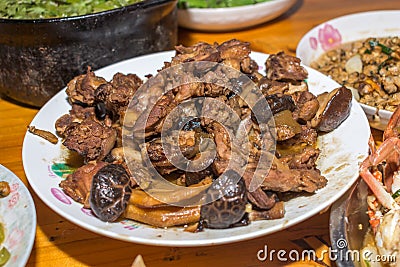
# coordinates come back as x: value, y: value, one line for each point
x: 229, y: 15
x: 44, y: 44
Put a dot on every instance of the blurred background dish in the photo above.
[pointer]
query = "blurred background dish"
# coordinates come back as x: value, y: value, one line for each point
x: 354, y: 27
x: 232, y: 18
x: 39, y: 56
x: 18, y: 217
x: 348, y: 224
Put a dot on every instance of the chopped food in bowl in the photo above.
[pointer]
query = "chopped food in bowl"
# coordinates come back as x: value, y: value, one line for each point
x: 362, y: 56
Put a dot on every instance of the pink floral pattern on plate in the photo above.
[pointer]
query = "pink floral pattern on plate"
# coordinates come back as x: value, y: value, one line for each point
x: 329, y: 37
x: 313, y: 43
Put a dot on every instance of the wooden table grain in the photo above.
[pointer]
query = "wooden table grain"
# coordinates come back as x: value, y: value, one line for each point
x: 61, y: 243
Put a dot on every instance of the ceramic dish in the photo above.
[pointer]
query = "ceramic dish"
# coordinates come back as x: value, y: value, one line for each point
x: 346, y: 29
x: 232, y: 18
x: 18, y: 216
x: 342, y: 151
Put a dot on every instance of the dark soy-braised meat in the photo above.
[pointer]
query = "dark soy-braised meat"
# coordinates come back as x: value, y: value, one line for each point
x: 76, y: 115
x: 77, y: 185
x: 81, y: 89
x: 91, y: 139
x: 117, y: 94
x: 283, y: 67
x: 293, y: 180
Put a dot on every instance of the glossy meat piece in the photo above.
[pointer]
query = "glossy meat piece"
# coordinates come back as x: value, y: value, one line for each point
x: 91, y: 139
x: 283, y: 67
x: 77, y: 185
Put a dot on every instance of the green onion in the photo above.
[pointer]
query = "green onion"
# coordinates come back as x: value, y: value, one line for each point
x: 396, y: 194
x: 385, y: 49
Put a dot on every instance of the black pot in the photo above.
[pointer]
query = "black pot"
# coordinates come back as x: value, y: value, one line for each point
x: 39, y: 57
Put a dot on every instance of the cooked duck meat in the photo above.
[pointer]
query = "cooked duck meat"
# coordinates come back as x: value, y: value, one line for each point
x: 283, y: 67
x: 76, y: 115
x: 197, y: 52
x: 91, y: 139
x: 117, y: 94
x: 154, y: 122
x: 293, y: 180
x: 307, y: 106
x: 285, y: 125
x: 303, y: 160
x: 272, y: 87
x: 278, y: 103
x: 81, y: 89
x: 188, y: 145
x: 77, y: 185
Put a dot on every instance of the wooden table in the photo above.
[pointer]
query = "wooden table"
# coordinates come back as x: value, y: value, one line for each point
x: 61, y: 243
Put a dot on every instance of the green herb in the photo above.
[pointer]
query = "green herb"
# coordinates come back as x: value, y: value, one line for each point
x: 38, y: 9
x: 396, y: 194
x: 216, y: 3
x: 385, y: 49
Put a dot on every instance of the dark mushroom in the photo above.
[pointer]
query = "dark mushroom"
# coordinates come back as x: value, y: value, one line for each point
x: 4, y: 189
x: 110, y: 192
x: 333, y: 110
x: 228, y: 210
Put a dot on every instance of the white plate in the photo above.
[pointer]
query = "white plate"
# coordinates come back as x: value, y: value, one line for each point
x: 18, y: 216
x: 342, y: 151
x: 349, y: 28
x: 232, y: 18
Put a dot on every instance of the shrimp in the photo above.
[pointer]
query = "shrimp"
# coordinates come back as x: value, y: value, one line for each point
x: 381, y: 171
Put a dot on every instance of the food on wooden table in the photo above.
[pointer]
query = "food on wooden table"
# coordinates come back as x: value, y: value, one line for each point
x: 96, y: 125
x: 380, y: 170
x: 370, y: 66
x: 39, y: 9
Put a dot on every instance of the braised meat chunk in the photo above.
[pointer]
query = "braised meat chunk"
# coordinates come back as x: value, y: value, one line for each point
x: 91, y: 139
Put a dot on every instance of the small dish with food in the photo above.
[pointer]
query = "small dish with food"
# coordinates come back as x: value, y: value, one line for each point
x: 17, y: 220
x: 362, y: 56
x: 229, y: 15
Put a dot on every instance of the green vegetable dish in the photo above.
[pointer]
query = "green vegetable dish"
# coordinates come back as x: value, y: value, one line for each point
x: 216, y: 3
x: 42, y: 9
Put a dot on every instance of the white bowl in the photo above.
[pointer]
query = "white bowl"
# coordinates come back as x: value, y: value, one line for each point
x: 232, y: 18
x: 346, y: 29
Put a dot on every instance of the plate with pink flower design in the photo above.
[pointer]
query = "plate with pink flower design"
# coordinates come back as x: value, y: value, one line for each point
x: 18, y: 218
x: 346, y: 29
